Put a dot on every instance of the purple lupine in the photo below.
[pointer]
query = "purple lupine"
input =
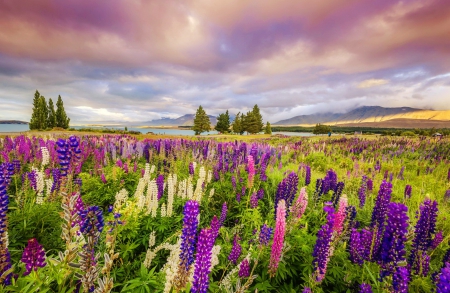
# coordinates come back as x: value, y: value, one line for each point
x: 400, y: 175
x: 160, y: 184
x: 215, y: 226
x: 408, y: 190
x: 322, y: 247
x: 64, y: 156
x: 244, y: 269
x: 423, y: 231
x: 443, y: 283
x: 56, y: 179
x: 32, y: 178
x: 307, y: 175
x: 191, y: 168
x: 337, y: 192
x: 223, y: 214
x: 264, y: 235
x: 205, y: 244
x: 91, y: 221
x: 369, y: 184
x: 365, y: 288
x: 287, y: 189
x: 362, y: 192
x: 33, y: 256
x: 103, y: 178
x: 379, y: 215
x: 253, y: 201
x: 233, y: 182
x: 447, y: 194
x: 188, y: 234
x: 437, y: 240
x: 400, y: 280
x: 5, y: 257
x: 306, y: 290
x: 355, y: 247
x: 393, y: 245
x: 260, y: 194
x: 235, y: 250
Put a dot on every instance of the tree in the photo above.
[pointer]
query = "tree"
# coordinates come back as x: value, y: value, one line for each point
x: 61, y: 117
x: 223, y: 123
x: 321, y: 129
x: 259, y: 125
x: 268, y: 129
x: 43, y: 113
x: 51, y: 121
x: 201, y: 121
x: 237, y: 124
x: 250, y: 123
x: 34, y: 121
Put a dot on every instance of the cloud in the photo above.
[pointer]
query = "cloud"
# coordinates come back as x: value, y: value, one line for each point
x: 368, y: 83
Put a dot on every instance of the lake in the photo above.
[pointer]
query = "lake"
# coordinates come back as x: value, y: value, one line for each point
x: 168, y: 131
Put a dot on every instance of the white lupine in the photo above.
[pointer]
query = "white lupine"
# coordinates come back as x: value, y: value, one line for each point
x: 214, y: 257
x: 45, y: 156
x: 194, y: 164
x: 152, y: 198
x: 209, y: 177
x: 211, y: 193
x: 152, y: 169
x: 147, y: 172
x: 170, y: 268
x: 175, y: 179
x: 198, y: 190
x: 149, y: 256
x: 202, y: 173
x: 139, y: 194
x: 226, y: 281
x: 49, y: 185
x: 182, y: 189
x: 121, y: 198
x: 152, y: 239
x: 189, y: 189
x: 40, y: 184
x: 163, y: 210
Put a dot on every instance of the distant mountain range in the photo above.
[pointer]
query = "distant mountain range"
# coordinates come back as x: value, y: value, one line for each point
x: 185, y: 120
x: 375, y: 116
x: 12, y: 122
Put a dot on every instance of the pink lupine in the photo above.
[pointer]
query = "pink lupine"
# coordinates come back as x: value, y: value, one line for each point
x: 278, y: 238
x: 299, y: 207
x: 251, y: 171
x: 340, y: 215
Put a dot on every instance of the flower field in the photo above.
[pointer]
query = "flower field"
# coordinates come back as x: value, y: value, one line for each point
x: 113, y: 213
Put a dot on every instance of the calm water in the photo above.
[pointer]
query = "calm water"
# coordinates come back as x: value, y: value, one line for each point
x: 24, y: 127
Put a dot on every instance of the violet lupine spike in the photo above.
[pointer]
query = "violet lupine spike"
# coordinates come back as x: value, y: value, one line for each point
x: 223, y: 214
x: 443, y: 282
x: 233, y: 182
x: 5, y: 257
x: 64, y: 156
x: 264, y: 235
x: 400, y: 280
x: 205, y: 244
x: 423, y: 232
x: 260, y: 194
x: 408, y: 190
x: 191, y: 168
x: 160, y: 184
x: 307, y: 175
x: 307, y: 290
x: 400, y: 175
x: 253, y: 201
x: 278, y: 238
x: 365, y: 288
x: 189, y: 233
x: 379, y: 216
x: 215, y: 226
x: 322, y: 247
x: 244, y: 269
x: 394, y: 239
x: 362, y: 192
x: 91, y: 221
x: 438, y: 238
x: 369, y: 184
x: 356, y: 248
x: 33, y: 256
x: 447, y: 194
x: 235, y: 250
x: 287, y: 189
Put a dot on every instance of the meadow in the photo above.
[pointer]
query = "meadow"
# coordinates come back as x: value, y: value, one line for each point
x: 123, y: 213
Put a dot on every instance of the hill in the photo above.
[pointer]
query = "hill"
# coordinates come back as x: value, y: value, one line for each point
x: 12, y: 122
x: 185, y: 120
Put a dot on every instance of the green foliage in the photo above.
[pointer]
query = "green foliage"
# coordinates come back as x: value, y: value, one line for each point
x: 61, y: 117
x: 268, y: 129
x: 223, y: 123
x: 51, y: 122
x: 238, y: 124
x: 34, y: 122
x: 201, y: 121
x: 321, y: 129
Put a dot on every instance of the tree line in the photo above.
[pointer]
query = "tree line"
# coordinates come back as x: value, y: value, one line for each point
x: 251, y: 122
x: 44, y: 115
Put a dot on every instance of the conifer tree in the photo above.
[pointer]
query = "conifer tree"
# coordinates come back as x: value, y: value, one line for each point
x: 34, y: 115
x: 42, y: 113
x: 223, y: 123
x: 61, y: 117
x: 237, y: 124
x: 51, y: 122
x: 259, y: 125
x: 268, y: 129
x: 201, y: 121
x: 250, y: 123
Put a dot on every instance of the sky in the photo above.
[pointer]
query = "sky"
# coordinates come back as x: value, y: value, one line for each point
x: 139, y: 60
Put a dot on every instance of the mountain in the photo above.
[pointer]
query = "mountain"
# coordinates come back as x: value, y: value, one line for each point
x: 375, y: 116
x: 12, y: 122
x: 185, y: 120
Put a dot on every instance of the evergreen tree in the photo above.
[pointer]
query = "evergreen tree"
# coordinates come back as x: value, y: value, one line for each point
x: 259, y: 125
x: 223, y: 123
x: 321, y: 129
x: 250, y: 123
x: 237, y: 124
x: 43, y: 113
x: 201, y: 121
x: 61, y: 117
x: 51, y: 122
x: 34, y: 121
x: 268, y: 129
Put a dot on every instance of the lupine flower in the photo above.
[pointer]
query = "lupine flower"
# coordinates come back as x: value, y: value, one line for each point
x: 91, y: 220
x: 307, y: 290
x: 307, y: 175
x: 379, y: 215
x: 253, y: 201
x: 260, y: 194
x: 394, y: 238
x: 322, y: 248
x: 251, y: 170
x: 356, y: 248
x: 215, y: 226
x: 103, y: 178
x: 244, y: 269
x: 362, y: 192
x: 408, y: 190
x: 369, y: 184
x: 400, y: 175
x: 191, y: 168
x: 299, y: 207
x: 423, y: 231
x: 5, y: 258
x: 443, y: 284
x: 223, y: 214
x: 447, y: 194
x: 233, y: 182
x: 437, y: 240
x: 287, y: 189
x: 337, y: 192
x: 365, y: 288
x: 400, y: 280
x: 160, y: 184
x: 264, y: 235
x: 235, y: 250
x: 339, y: 217
x: 64, y: 156
x: 278, y: 238
x: 188, y: 240
x: 205, y: 244
x: 33, y: 256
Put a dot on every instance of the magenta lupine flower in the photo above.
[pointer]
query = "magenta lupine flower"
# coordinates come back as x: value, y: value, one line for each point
x: 235, y: 250
x: 103, y: 178
x: 119, y: 163
x: 443, y: 284
x: 251, y: 171
x: 160, y: 184
x: 365, y: 288
x: 408, y: 190
x: 205, y: 244
x: 322, y: 248
x: 278, y: 238
x: 33, y: 256
x: 339, y: 217
x: 188, y: 234
x: 393, y: 245
x: 437, y: 240
x: 264, y: 235
x: 369, y: 184
x: 299, y: 207
x: 307, y: 290
x: 424, y: 230
x: 400, y: 280
x: 244, y: 269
